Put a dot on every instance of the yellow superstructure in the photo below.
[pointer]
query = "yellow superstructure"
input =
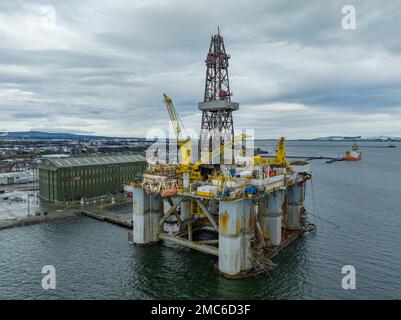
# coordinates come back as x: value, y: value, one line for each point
x: 279, y: 160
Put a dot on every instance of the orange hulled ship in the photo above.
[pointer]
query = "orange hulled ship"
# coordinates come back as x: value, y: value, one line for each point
x: 354, y: 154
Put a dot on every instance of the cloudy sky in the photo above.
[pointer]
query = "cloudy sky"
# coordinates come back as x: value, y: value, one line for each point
x: 100, y: 67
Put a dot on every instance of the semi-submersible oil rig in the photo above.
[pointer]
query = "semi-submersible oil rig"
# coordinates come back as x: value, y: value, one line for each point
x: 249, y: 210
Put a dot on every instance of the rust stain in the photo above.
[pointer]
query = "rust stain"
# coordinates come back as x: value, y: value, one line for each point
x: 237, y: 225
x: 223, y: 222
x: 251, y: 220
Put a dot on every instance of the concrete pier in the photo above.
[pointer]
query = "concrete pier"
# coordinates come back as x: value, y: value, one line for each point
x: 5, y: 224
x: 295, y: 203
x: 147, y: 211
x: 120, y: 220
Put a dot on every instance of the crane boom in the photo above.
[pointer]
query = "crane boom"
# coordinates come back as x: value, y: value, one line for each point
x: 174, y: 120
x: 185, y: 145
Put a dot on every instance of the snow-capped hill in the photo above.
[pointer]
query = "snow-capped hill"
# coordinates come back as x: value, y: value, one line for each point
x: 358, y: 138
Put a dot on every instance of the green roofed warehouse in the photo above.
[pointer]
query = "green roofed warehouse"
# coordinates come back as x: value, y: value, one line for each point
x: 67, y: 179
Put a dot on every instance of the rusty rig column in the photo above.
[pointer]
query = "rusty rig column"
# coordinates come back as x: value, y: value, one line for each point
x: 147, y: 211
x: 234, y: 236
x: 248, y: 232
x: 271, y: 215
x: 296, y: 195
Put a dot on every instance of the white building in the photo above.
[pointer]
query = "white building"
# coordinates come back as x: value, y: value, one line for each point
x: 17, y: 177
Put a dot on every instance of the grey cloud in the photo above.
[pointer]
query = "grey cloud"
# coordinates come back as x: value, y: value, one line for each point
x: 29, y: 115
x: 119, y: 58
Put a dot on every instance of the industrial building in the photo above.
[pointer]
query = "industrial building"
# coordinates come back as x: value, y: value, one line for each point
x: 70, y: 179
x: 17, y: 177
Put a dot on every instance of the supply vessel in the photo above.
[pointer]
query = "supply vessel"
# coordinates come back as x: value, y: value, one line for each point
x: 353, y: 154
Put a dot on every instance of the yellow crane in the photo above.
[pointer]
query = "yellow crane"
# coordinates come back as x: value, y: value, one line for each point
x: 185, y: 144
x: 278, y: 160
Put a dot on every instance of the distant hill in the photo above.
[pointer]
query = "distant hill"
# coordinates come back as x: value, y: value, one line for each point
x: 53, y: 135
x: 357, y: 138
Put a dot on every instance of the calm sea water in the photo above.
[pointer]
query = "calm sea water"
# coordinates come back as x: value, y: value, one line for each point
x: 93, y: 260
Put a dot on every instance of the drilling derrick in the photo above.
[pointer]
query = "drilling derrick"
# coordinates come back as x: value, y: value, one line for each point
x: 217, y: 122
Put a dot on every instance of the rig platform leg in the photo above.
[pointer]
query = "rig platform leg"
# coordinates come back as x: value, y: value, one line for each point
x: 147, y: 211
x: 271, y: 215
x: 186, y: 210
x: 248, y: 233
x: 235, y: 237
x: 295, y: 203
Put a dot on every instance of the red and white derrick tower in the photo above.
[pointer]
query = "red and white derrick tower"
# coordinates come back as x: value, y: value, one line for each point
x: 217, y: 107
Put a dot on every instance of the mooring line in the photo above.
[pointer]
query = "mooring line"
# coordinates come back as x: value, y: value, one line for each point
x: 334, y: 224
x: 315, y: 207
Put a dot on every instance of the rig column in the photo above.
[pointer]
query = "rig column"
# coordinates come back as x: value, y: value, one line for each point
x: 186, y: 210
x: 295, y: 203
x: 248, y: 232
x: 235, y: 233
x: 147, y: 210
x: 156, y: 212
x: 271, y: 216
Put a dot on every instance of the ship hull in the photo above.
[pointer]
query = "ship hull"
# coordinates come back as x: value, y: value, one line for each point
x: 353, y: 156
x: 351, y: 159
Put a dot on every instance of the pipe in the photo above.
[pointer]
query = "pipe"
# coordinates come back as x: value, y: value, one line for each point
x: 208, y: 228
x: 190, y: 244
x: 208, y: 241
x: 190, y: 231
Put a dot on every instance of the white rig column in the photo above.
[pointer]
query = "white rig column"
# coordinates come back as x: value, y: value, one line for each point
x: 156, y: 212
x: 147, y: 210
x: 185, y: 210
x: 247, y: 234
x: 295, y: 203
x: 273, y: 217
x: 230, y: 218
